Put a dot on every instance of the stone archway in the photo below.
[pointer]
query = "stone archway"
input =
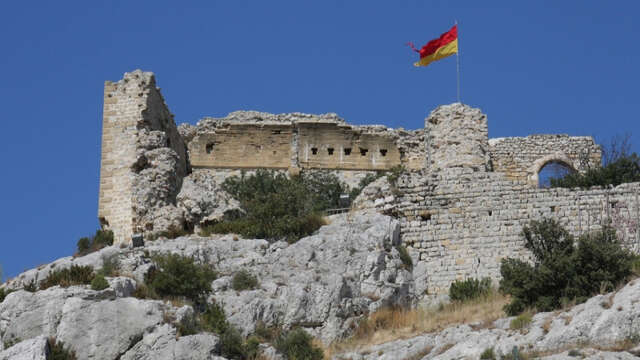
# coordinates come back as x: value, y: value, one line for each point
x: 534, y: 170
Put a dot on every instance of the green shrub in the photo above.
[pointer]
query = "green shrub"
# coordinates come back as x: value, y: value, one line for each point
x: 101, y: 239
x: 521, y: 321
x: 74, y: 275
x: 366, y: 180
x: 110, y: 265
x: 563, y: 271
x: 488, y: 354
x: 213, y: 319
x: 31, y: 286
x: 3, y: 293
x: 99, y: 283
x: 296, y: 344
x: 177, y: 275
x: 405, y: 257
x: 57, y: 351
x: 243, y: 280
x: 232, y: 344
x: 469, y: 289
x: 277, y: 207
x: 394, y: 174
x: 624, y: 169
x: 252, y: 347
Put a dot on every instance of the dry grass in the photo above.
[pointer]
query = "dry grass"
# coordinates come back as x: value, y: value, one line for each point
x: 393, y: 324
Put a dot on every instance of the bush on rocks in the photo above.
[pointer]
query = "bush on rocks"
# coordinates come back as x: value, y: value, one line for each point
x: 99, y: 283
x: 469, y: 289
x: 564, y: 270
x: 101, y: 239
x: 177, y: 275
x: 296, y: 344
x: 3, y: 293
x: 243, y: 280
x: 74, y: 275
x: 279, y: 207
x: 625, y: 169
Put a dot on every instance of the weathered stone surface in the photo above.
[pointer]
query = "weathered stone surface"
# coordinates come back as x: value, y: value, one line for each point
x: 94, y: 324
x: 201, y: 199
x: 163, y: 343
x: 322, y: 283
x: 31, y: 349
x: 603, y: 322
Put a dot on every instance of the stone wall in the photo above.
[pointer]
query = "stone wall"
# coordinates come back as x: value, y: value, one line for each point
x: 522, y: 158
x: 460, y: 223
x: 143, y: 156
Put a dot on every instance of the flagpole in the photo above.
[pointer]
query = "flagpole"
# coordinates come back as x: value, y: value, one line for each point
x: 458, y: 64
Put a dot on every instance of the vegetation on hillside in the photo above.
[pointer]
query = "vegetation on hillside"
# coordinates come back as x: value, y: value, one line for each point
x: 619, y: 166
x: 180, y: 276
x: 565, y: 269
x: 101, y: 239
x: 279, y: 207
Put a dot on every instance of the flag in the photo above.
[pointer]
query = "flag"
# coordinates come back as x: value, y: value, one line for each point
x: 440, y: 48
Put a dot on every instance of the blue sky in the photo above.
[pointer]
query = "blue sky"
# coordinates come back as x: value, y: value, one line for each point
x: 532, y: 67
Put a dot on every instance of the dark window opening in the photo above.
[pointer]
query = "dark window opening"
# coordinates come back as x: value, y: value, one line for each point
x: 425, y: 217
x: 383, y: 152
x: 363, y: 151
x: 553, y: 208
x: 490, y: 212
x: 276, y: 132
x: 314, y: 151
x: 330, y: 151
x: 347, y: 151
x: 168, y: 142
x: 209, y: 148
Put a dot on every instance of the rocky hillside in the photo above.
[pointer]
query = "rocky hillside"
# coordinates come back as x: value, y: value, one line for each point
x: 323, y: 284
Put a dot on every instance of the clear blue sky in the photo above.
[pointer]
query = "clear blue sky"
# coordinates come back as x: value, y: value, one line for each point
x: 535, y: 67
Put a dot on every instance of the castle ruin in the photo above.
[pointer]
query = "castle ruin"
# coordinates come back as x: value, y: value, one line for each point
x: 462, y: 202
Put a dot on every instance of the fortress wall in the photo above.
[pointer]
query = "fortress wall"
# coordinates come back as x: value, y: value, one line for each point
x: 521, y: 158
x: 244, y: 146
x: 460, y: 224
x: 329, y: 146
x: 138, y: 131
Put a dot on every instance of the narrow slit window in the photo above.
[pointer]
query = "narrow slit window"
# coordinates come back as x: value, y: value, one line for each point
x: 209, y: 148
x: 363, y: 151
x: 347, y: 151
x: 276, y: 132
x: 330, y: 151
x: 383, y: 152
x: 314, y: 151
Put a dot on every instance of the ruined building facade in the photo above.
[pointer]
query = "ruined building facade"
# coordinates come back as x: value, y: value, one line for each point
x: 462, y: 202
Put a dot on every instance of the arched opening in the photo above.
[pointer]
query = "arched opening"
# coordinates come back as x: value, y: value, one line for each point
x: 552, y: 169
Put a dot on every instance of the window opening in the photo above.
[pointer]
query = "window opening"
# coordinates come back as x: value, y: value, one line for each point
x: 383, y: 152
x: 330, y: 151
x: 314, y: 151
x: 209, y: 148
x: 347, y: 151
x: 363, y: 151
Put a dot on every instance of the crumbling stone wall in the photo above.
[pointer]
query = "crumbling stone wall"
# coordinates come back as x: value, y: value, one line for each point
x: 522, y: 158
x: 143, y: 156
x: 460, y: 224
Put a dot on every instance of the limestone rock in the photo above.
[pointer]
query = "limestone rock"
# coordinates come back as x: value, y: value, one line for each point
x: 162, y: 343
x: 31, y: 349
x: 202, y: 200
x: 322, y: 283
x: 603, y: 322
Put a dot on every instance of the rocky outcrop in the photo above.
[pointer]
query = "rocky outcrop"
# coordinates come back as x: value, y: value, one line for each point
x: 604, y: 323
x: 31, y: 349
x: 322, y: 283
x: 164, y: 344
x: 201, y: 199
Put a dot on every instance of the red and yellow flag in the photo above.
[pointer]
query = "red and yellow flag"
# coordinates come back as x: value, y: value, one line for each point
x: 440, y: 48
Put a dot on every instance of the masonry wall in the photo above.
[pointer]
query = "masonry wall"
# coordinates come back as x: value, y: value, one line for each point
x: 137, y: 129
x: 521, y: 158
x: 461, y: 224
